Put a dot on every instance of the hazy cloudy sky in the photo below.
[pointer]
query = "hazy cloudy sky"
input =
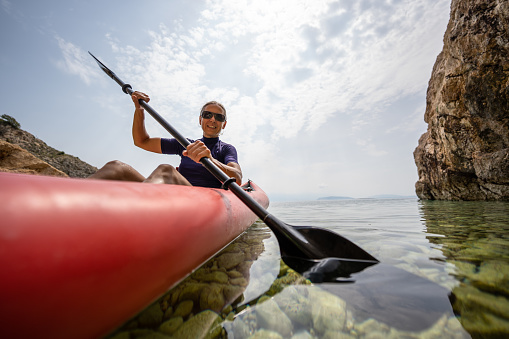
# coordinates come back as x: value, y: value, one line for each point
x: 324, y: 97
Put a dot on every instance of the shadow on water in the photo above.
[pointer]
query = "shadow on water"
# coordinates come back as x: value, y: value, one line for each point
x: 383, y: 292
x: 474, y: 237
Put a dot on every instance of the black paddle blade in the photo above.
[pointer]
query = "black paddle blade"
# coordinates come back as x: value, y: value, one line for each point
x: 330, y: 245
x: 102, y: 66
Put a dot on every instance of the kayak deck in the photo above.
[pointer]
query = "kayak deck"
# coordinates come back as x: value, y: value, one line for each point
x: 79, y: 257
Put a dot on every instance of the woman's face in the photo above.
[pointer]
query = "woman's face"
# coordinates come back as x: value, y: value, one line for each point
x: 211, y: 127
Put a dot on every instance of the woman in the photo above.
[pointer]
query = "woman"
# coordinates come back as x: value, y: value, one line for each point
x: 190, y: 171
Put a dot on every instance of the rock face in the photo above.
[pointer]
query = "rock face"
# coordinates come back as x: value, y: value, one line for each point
x: 464, y: 155
x: 15, y: 159
x: 21, y: 152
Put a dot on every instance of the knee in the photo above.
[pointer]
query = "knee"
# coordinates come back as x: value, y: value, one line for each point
x: 166, y: 169
x: 115, y: 166
x: 165, y: 174
x: 117, y: 170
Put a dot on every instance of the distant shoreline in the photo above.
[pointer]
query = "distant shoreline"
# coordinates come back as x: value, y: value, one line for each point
x: 381, y: 196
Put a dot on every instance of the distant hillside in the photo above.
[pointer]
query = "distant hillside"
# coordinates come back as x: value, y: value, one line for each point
x: 70, y: 165
x: 392, y: 196
x: 382, y: 196
x: 335, y: 198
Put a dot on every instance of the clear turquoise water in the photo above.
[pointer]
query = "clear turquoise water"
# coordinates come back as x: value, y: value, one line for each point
x: 460, y: 248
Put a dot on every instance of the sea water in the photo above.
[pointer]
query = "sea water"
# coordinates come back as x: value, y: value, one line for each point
x: 444, y: 273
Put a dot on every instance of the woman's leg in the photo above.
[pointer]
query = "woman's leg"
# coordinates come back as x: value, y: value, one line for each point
x: 167, y: 174
x: 117, y: 170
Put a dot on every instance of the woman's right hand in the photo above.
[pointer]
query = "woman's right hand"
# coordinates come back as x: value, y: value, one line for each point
x: 136, y: 96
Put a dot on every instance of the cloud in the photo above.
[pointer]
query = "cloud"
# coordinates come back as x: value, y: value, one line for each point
x: 371, y: 148
x: 286, y: 68
x: 76, y: 61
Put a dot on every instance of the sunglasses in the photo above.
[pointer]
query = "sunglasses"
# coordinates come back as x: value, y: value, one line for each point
x: 218, y: 116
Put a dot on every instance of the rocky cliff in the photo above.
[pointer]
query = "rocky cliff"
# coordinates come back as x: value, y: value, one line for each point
x: 464, y: 155
x: 21, y: 152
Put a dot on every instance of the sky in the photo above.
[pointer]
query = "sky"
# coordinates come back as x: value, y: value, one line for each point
x: 324, y: 97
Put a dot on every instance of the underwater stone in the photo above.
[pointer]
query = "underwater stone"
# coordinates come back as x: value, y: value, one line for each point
x: 265, y: 334
x: 280, y: 283
x: 263, y: 299
x: 244, y: 267
x: 227, y: 310
x: 340, y: 335
x: 151, y: 317
x: 164, y: 304
x: 212, y: 298
x: 482, y: 314
x: 170, y: 326
x: 199, y: 326
x: 234, y: 274
x: 493, y: 277
x: 437, y: 330
x: 236, y: 247
x: 215, y: 276
x: 191, y: 291
x: 295, y: 305
x: 168, y: 313
x: 302, y: 335
x: 372, y: 326
x: 229, y: 260
x: 270, y: 317
x: 183, y: 309
x: 329, y: 311
x: 232, y: 292
x: 240, y: 329
x: 239, y: 282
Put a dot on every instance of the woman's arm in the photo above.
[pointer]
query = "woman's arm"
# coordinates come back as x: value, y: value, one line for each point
x: 141, y: 137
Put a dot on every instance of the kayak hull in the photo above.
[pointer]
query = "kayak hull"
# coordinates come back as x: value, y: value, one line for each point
x: 80, y: 257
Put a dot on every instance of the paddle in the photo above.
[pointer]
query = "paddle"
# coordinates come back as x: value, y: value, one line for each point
x: 302, y: 241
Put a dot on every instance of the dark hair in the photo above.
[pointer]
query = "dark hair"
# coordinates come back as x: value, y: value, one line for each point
x: 214, y: 103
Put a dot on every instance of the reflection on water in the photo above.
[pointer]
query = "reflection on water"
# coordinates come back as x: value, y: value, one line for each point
x: 430, y: 251
x: 196, y: 306
x: 474, y: 236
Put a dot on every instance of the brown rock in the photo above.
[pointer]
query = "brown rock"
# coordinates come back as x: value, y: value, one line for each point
x: 70, y: 165
x: 15, y: 159
x: 464, y: 155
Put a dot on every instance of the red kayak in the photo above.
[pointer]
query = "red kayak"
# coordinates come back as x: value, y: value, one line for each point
x: 80, y: 257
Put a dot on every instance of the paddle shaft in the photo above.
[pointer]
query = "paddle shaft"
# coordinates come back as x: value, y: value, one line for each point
x: 279, y: 228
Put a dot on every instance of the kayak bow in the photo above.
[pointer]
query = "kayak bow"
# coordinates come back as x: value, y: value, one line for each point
x: 80, y: 257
